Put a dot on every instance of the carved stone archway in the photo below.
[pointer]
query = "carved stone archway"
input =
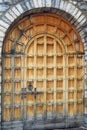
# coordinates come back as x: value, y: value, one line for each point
x: 62, y: 8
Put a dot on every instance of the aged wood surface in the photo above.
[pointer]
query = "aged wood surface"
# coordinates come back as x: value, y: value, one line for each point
x: 46, y: 50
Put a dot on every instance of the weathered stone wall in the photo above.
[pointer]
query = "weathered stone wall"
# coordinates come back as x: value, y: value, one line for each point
x: 6, y: 5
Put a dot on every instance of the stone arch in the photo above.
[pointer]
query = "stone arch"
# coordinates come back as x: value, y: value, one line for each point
x: 60, y: 7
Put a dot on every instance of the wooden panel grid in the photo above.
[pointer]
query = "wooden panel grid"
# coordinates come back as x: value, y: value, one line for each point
x: 47, y: 55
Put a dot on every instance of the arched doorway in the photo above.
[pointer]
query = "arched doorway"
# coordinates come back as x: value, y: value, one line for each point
x: 46, y: 51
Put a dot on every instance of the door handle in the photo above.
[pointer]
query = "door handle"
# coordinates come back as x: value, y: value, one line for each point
x: 35, y: 92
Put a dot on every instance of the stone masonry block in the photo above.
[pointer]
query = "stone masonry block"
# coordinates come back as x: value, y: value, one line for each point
x: 24, y: 6
x: 61, y: 5
x: 31, y: 4
x: 28, y: 5
x: 65, y: 5
x: 12, y: 14
x: 10, y: 17
x: 68, y: 8
x: 81, y: 18
x: 71, y: 10
x: 36, y: 3
x: 43, y: 3
x: 75, y: 12
x: 83, y: 21
x: 78, y: 14
x: 3, y: 7
x: 4, y: 24
x: 2, y: 29
x: 48, y: 3
x: 19, y: 7
x: 57, y: 3
x: 2, y: 34
x: 40, y: 3
x: 1, y: 39
x: 15, y: 10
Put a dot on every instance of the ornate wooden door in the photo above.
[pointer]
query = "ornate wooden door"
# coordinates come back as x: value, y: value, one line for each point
x: 45, y: 69
x: 43, y: 50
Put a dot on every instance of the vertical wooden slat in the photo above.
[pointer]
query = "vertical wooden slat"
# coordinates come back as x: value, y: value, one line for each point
x: 45, y: 71
x: 83, y: 82
x: 2, y: 99
x: 75, y: 86
x: 64, y: 84
x: 67, y: 85
x: 22, y: 86
x: 12, y: 87
x: 55, y: 76
x: 35, y: 75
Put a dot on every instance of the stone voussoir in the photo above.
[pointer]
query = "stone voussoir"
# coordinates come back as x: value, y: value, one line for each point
x: 2, y: 29
x: 10, y: 17
x: 48, y: 3
x: 19, y: 7
x: 2, y: 34
x: 4, y: 24
x: 57, y: 3
x: 61, y: 5
x: 36, y: 3
x: 16, y: 11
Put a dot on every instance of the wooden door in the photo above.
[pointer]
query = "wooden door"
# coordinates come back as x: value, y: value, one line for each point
x: 46, y: 51
x: 45, y: 69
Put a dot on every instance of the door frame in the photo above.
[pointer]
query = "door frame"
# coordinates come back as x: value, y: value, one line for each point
x: 83, y: 38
